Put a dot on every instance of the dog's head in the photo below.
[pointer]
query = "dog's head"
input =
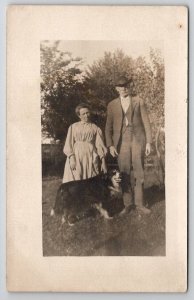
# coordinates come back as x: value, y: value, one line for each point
x: 115, y: 177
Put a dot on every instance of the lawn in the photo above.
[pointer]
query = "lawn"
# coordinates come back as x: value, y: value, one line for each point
x: 132, y: 234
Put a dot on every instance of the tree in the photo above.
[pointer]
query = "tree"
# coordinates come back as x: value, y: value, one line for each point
x: 61, y: 90
x: 150, y: 85
x: 148, y: 78
x: 102, y: 74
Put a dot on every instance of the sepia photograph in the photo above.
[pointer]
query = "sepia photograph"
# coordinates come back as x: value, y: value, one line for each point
x: 103, y: 148
x: 97, y: 148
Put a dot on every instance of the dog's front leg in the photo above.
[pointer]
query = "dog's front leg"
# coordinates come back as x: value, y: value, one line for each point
x: 102, y: 211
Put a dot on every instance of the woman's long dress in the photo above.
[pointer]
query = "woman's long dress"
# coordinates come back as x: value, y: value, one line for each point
x: 85, y: 142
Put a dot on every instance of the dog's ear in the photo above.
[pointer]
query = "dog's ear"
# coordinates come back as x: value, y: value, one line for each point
x: 104, y: 176
x: 111, y: 172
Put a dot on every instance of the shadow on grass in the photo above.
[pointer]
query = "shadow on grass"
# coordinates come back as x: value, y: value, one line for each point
x: 153, y: 195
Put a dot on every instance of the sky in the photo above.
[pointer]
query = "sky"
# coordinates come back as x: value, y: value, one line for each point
x: 90, y: 51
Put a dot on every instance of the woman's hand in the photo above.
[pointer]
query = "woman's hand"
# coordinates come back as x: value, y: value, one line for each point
x: 103, y: 166
x: 72, y: 162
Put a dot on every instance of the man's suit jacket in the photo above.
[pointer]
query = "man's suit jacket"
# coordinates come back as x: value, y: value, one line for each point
x: 137, y: 118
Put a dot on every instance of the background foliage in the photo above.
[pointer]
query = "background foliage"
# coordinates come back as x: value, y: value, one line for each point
x: 64, y: 84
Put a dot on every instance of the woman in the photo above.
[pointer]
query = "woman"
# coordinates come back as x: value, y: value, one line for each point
x: 84, y: 148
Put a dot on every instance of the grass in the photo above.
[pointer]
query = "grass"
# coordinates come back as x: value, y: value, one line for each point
x: 132, y: 234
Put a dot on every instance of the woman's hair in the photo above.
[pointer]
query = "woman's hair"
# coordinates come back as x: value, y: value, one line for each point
x: 80, y: 106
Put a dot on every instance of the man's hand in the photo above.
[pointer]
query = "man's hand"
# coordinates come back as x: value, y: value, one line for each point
x: 113, y: 151
x: 148, y: 149
x: 72, y: 162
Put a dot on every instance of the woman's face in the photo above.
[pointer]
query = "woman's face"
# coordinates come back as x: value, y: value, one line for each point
x: 84, y: 115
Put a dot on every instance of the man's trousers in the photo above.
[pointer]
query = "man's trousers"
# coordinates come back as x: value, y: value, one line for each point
x: 130, y: 161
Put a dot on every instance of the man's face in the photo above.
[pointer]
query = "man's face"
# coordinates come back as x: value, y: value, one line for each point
x: 123, y: 91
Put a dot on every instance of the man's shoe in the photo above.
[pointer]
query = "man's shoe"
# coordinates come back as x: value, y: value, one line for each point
x: 127, y: 209
x: 144, y: 210
x: 123, y: 212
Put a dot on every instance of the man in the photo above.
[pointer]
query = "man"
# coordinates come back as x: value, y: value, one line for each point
x: 128, y: 137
